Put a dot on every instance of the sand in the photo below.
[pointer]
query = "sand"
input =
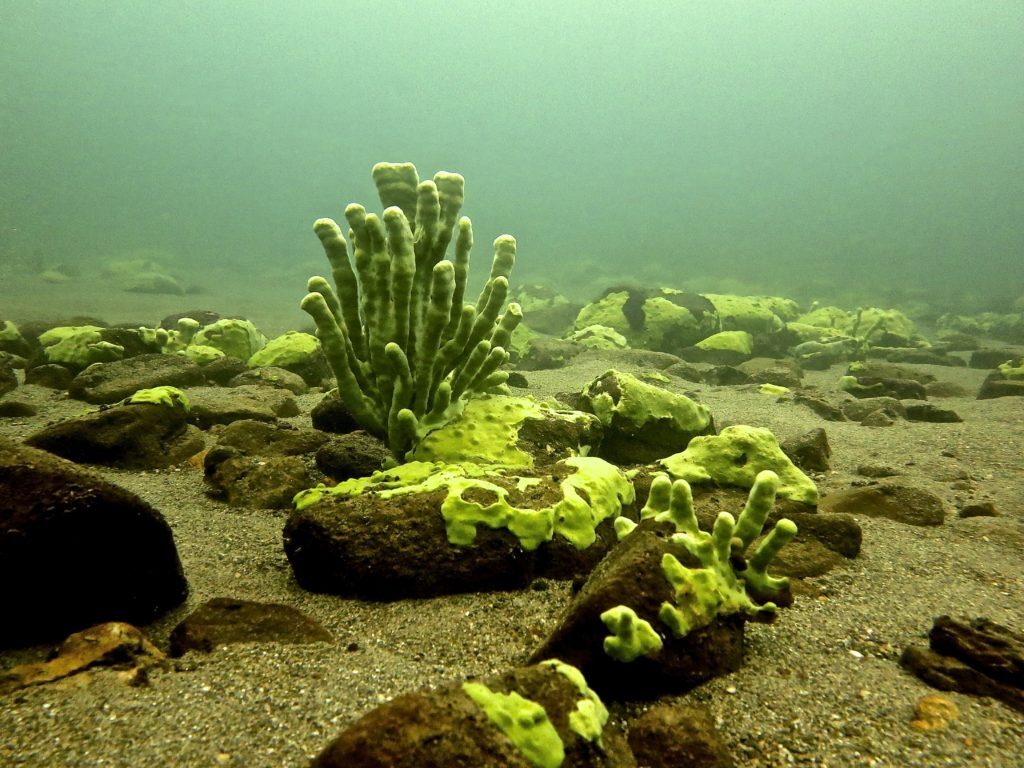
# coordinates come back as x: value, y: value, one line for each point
x: 821, y: 686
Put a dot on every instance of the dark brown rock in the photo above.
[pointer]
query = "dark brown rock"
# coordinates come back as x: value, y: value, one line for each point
x: 978, y: 509
x: 809, y: 451
x: 269, y: 482
x: 218, y: 405
x: 919, y: 410
x: 997, y: 385
x: 766, y: 370
x: 858, y: 410
x: 356, y: 454
x: 678, y: 736
x: 817, y: 403
x: 223, y: 369
x: 50, y: 375
x: 261, y: 438
x: 894, y: 500
x: 976, y: 656
x: 225, y: 621
x: 8, y: 378
x: 106, y: 383
x: 992, y: 358
x: 330, y: 415
x: 134, y: 436
x: 76, y: 550
x: 446, y: 728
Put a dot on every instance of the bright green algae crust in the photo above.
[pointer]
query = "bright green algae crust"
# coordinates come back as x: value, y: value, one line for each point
x: 573, y: 517
x: 79, y: 345
x: 524, y: 722
x: 235, y: 338
x: 172, y: 397
x: 732, y: 341
x: 640, y: 403
x: 288, y: 349
x: 487, y: 431
x: 735, y: 456
x: 527, y: 725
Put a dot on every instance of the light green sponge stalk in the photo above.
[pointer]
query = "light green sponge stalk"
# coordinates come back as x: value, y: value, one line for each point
x: 405, y: 348
x: 632, y: 637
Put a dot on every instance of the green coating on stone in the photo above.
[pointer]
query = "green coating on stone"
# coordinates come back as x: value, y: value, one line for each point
x: 773, y: 389
x: 735, y: 457
x: 9, y: 332
x: 235, y: 338
x: 524, y: 722
x: 201, y: 354
x: 288, y: 349
x: 590, y: 716
x: 640, y: 403
x: 596, y: 491
x: 731, y: 341
x: 854, y: 387
x: 631, y: 637
x: 487, y: 431
x: 1010, y: 371
x: 754, y: 314
x: 79, y: 345
x: 715, y: 588
x: 599, y: 337
x: 171, y: 397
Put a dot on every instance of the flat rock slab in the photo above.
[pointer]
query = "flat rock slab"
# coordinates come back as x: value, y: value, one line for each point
x: 975, y: 656
x: 225, y: 620
x: 135, y: 436
x: 223, y: 405
x: 76, y: 551
x: 891, y: 499
x: 106, y: 383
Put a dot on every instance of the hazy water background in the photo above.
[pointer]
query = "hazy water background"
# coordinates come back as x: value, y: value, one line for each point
x: 826, y: 149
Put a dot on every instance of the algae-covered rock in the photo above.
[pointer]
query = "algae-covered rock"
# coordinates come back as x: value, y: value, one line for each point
x: 510, y: 431
x: 234, y: 337
x: 643, y: 422
x: 735, y: 457
x: 78, y: 347
x: 296, y: 352
x: 665, y: 320
x: 425, y: 529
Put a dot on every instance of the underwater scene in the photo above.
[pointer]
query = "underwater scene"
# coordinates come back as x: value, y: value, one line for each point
x: 529, y: 384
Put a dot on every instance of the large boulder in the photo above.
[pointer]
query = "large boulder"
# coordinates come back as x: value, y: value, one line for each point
x: 76, y: 550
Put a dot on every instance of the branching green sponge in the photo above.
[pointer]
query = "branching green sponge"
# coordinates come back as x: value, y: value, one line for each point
x: 631, y: 637
x: 723, y: 584
x: 524, y: 722
x: 594, y: 492
x: 404, y: 346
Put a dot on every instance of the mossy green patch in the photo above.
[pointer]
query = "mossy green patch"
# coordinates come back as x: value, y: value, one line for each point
x: 290, y: 348
x: 171, y: 397
x: 735, y: 456
x: 638, y: 403
x: 594, y: 492
x: 740, y: 342
x: 235, y: 338
x: 79, y: 345
x: 524, y: 722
